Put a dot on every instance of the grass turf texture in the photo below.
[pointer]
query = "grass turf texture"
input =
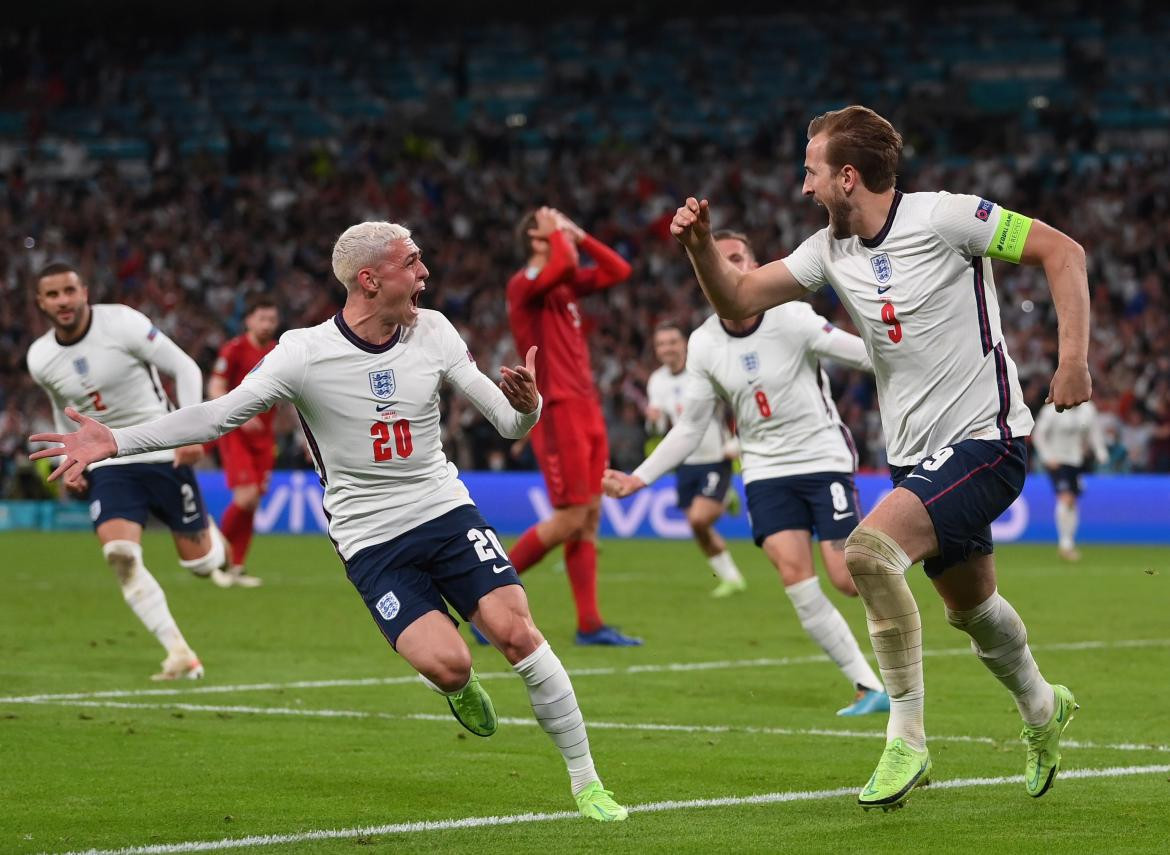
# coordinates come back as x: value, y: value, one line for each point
x: 74, y: 777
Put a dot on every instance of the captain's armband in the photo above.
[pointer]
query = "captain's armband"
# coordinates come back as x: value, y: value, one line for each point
x: 1007, y: 242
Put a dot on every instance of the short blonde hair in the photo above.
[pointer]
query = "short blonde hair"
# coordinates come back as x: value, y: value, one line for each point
x: 861, y: 138
x: 361, y: 246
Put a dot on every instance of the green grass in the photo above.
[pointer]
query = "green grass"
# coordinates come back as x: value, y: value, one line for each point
x: 74, y: 777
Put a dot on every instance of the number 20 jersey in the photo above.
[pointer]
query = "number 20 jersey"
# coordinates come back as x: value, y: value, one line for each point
x: 371, y: 417
x: 923, y: 299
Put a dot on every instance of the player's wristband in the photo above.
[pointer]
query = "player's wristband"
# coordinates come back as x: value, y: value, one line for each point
x: 1007, y: 242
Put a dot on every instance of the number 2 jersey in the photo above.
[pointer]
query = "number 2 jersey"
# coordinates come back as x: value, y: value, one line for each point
x: 371, y: 417
x: 110, y: 374
x: 772, y: 378
x: 922, y: 296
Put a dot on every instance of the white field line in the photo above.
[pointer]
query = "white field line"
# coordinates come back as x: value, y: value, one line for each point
x: 718, y: 665
x: 296, y: 712
x: 518, y: 819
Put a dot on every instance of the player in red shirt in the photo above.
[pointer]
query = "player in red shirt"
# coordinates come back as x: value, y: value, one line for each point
x: 569, y: 440
x: 249, y: 452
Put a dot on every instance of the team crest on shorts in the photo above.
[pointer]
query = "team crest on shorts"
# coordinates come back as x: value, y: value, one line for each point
x: 95, y: 510
x: 751, y: 362
x: 388, y: 605
x: 382, y: 383
x: 882, y: 268
x: 81, y: 364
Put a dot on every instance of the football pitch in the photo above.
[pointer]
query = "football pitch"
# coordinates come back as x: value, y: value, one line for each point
x: 309, y: 735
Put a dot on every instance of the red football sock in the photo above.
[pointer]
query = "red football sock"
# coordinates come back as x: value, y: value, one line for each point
x: 527, y: 550
x: 237, y: 528
x: 581, y: 562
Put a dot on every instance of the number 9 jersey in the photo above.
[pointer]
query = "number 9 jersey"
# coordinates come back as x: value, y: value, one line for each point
x: 922, y: 296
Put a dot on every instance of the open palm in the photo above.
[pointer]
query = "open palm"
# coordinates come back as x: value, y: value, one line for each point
x: 91, y: 442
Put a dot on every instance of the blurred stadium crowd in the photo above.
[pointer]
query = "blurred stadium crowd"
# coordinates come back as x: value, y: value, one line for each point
x: 184, y: 172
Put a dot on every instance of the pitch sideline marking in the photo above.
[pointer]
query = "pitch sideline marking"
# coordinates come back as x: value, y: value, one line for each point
x: 593, y: 725
x: 649, y: 668
x: 517, y: 819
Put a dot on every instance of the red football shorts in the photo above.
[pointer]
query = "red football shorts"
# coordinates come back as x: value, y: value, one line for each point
x: 571, y: 447
x: 247, y: 458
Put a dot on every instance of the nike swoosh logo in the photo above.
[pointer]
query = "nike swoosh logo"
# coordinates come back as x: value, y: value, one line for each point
x: 498, y: 569
x: 381, y: 408
x: 190, y: 519
x: 884, y: 290
x: 923, y: 477
x: 837, y: 516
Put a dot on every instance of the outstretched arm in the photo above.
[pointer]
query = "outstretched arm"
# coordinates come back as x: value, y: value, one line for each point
x: 675, y: 447
x: 734, y: 295
x: 842, y: 347
x: 1063, y: 260
x: 93, y: 441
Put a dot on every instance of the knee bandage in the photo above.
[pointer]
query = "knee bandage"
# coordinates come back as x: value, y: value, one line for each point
x: 216, y: 557
x: 878, y: 566
x: 124, y: 557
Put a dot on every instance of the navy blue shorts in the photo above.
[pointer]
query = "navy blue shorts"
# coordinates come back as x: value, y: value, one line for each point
x: 1066, y: 479
x: 965, y: 487
x: 824, y: 503
x: 456, y: 556
x: 709, y: 480
x: 133, y: 491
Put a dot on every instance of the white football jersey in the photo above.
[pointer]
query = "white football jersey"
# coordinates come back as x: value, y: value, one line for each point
x: 667, y: 392
x: 371, y: 417
x: 772, y: 379
x: 110, y: 375
x: 922, y: 296
x: 1061, y: 439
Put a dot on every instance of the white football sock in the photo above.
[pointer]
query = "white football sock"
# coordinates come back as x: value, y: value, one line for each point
x: 723, y: 566
x: 1067, y: 519
x: 827, y: 627
x: 143, y: 593
x: 878, y: 566
x: 555, y: 705
x: 1000, y: 640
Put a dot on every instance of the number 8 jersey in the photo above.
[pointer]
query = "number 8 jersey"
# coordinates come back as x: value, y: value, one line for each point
x: 922, y: 296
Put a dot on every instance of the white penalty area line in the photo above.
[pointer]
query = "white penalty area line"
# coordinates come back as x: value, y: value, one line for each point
x: 649, y: 727
x: 524, y: 818
x: 650, y: 668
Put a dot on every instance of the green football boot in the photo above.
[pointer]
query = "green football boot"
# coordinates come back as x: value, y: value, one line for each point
x: 597, y: 803
x: 1044, y: 744
x: 727, y: 587
x: 900, y: 770
x: 473, y: 708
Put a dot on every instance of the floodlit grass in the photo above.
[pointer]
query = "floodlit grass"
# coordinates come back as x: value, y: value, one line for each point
x: 198, y: 765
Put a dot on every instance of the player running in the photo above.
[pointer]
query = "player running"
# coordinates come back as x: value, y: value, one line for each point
x: 798, y: 457
x: 249, y: 452
x: 914, y: 272
x: 1061, y: 439
x: 702, y: 479
x: 366, y: 385
x: 569, y: 440
x: 104, y: 360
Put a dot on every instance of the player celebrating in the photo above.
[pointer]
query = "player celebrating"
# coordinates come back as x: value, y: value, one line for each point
x: 798, y: 457
x: 104, y: 360
x: 366, y: 385
x: 569, y: 441
x: 1061, y: 439
x: 703, y: 477
x: 914, y: 272
x: 248, y: 453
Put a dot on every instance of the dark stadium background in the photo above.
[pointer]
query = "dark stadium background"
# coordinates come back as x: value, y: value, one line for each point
x: 187, y: 157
